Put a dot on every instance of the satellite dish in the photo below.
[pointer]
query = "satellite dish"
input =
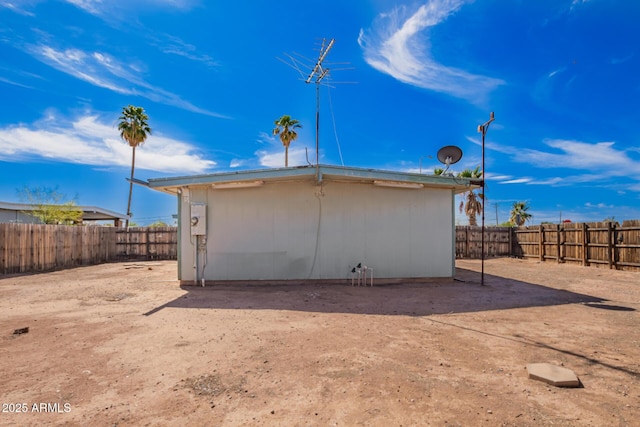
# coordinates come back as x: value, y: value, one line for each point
x: 449, y: 155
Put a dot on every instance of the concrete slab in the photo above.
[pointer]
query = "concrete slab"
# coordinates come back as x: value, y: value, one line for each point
x: 552, y: 374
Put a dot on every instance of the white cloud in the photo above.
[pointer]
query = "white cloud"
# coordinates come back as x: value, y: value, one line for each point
x: 92, y: 6
x: 600, y: 161
x: 16, y: 6
x: 554, y: 72
x: 551, y: 181
x: 275, y: 158
x: 12, y: 83
x: 123, y: 15
x: 495, y: 177
x: 87, y: 140
x: 517, y: 181
x: 393, y: 46
x: 236, y: 163
x: 115, y: 9
x: 273, y: 155
x: 577, y: 3
x: 600, y: 157
x: 599, y: 205
x: 176, y: 46
x: 103, y: 70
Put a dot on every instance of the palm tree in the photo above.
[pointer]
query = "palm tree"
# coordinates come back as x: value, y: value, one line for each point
x: 473, y: 202
x: 134, y: 130
x: 285, y: 127
x: 519, y: 214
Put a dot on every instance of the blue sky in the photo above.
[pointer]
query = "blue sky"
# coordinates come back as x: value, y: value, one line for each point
x: 406, y: 78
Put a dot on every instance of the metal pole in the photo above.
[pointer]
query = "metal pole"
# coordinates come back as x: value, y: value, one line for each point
x: 483, y: 129
x: 317, y: 129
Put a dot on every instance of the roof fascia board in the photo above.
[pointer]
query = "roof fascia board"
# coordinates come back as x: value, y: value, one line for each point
x: 251, y: 175
x: 170, y: 185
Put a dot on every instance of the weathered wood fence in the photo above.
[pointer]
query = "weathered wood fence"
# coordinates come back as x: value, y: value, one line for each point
x: 26, y: 248
x: 147, y: 243
x: 603, y: 244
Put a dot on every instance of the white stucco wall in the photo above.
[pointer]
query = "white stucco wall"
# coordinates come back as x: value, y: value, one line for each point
x: 288, y: 231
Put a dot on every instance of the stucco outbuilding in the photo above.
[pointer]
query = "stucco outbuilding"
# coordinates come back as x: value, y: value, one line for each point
x: 314, y: 223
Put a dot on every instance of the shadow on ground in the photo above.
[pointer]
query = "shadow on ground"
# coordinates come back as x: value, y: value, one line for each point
x: 464, y: 294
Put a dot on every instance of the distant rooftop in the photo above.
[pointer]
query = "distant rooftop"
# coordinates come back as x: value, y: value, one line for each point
x: 89, y: 213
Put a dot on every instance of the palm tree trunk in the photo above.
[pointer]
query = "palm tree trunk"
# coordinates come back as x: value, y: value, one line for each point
x: 133, y: 163
x: 286, y: 156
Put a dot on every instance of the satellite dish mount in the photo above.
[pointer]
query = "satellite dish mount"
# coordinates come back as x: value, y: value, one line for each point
x: 449, y: 155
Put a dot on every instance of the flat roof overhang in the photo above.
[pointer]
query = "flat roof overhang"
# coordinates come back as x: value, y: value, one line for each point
x: 319, y: 173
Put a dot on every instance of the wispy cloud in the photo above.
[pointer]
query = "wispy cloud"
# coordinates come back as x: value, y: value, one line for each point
x: 103, y: 70
x: 115, y: 9
x: 92, y: 6
x: 600, y: 157
x: 621, y: 60
x: 554, y: 85
x: 598, y: 205
x: 13, y: 83
x: 272, y: 156
x: 577, y: 3
x: 176, y: 46
x: 236, y: 163
x: 596, y: 163
x: 396, y: 45
x: 122, y: 14
x: 16, y: 6
x: 517, y: 181
x: 86, y: 140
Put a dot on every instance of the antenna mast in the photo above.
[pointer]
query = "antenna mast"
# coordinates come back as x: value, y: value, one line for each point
x: 318, y: 73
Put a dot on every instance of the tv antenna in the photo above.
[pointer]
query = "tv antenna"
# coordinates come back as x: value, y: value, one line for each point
x: 317, y: 73
x: 449, y: 155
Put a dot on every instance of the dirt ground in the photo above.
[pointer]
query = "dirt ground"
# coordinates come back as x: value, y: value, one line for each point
x: 124, y: 344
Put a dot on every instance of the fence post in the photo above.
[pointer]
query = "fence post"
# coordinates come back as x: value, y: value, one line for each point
x: 585, y: 245
x: 147, y: 242
x: 465, y: 253
x: 541, y: 242
x: 510, y: 242
x: 609, y: 244
x: 558, y: 254
x: 614, y: 243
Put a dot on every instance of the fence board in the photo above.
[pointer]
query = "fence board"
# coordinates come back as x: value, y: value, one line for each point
x: 598, y: 244
x: 497, y: 241
x: 26, y: 248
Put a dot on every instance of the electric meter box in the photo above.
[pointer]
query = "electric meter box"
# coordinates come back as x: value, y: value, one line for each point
x: 198, y: 219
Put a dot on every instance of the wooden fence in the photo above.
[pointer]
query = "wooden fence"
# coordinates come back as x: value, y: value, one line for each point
x: 26, y: 248
x: 601, y: 244
x: 147, y: 243
x: 498, y: 241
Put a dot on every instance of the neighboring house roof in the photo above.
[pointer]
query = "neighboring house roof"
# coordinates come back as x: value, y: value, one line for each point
x: 319, y: 173
x: 89, y: 213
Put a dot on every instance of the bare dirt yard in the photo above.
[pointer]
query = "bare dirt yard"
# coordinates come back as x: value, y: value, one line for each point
x: 124, y: 345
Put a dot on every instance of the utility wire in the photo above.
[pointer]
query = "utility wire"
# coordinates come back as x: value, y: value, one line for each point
x: 335, y: 131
